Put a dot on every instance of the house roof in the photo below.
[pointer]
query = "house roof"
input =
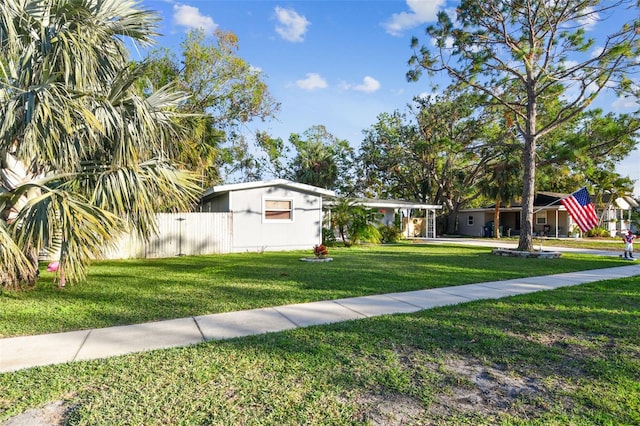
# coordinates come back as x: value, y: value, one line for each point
x: 390, y: 204
x: 625, y: 202
x: 283, y: 183
x: 542, y: 200
x: 551, y: 201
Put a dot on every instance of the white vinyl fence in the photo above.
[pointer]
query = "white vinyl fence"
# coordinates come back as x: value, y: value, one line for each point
x: 180, y: 234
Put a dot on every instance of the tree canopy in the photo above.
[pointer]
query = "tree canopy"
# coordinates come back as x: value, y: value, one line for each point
x: 315, y: 157
x: 436, y: 155
x: 225, y: 93
x: 524, y: 54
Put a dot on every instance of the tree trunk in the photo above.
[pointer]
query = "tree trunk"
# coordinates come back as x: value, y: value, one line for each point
x: 450, y: 227
x: 496, y: 219
x: 341, y: 231
x: 529, y: 181
x: 451, y: 217
x: 30, y: 279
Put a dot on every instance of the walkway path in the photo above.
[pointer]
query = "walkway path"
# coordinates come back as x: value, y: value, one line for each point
x: 30, y: 351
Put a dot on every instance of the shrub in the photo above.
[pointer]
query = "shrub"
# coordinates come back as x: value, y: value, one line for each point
x: 364, y: 233
x: 328, y: 236
x: 355, y: 223
x: 389, y: 234
x: 320, y: 250
x: 598, y: 232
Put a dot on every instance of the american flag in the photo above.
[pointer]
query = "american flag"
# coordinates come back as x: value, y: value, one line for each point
x: 581, y: 209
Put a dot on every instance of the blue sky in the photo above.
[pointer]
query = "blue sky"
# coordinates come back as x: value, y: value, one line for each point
x: 330, y: 62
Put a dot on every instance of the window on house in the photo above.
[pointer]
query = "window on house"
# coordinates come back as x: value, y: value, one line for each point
x: 470, y: 220
x: 278, y: 210
x: 541, y: 218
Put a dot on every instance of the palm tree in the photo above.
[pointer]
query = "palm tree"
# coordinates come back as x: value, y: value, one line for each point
x: 356, y: 222
x: 84, y: 155
x: 502, y: 182
x: 315, y: 165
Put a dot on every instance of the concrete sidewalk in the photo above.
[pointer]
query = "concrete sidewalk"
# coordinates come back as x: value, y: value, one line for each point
x: 30, y: 351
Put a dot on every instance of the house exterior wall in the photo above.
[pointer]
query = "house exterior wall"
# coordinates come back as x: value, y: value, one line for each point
x: 561, y: 223
x: 251, y: 232
x: 550, y: 217
x: 616, y: 220
x: 471, y: 223
x: 388, y: 216
x: 217, y: 204
x: 545, y: 226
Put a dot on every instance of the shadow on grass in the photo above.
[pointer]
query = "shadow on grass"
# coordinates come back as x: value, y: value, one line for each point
x: 575, y: 348
x: 130, y: 291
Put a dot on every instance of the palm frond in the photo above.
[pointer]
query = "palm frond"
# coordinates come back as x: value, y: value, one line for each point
x: 136, y: 194
x: 13, y: 262
x: 71, y: 111
x: 60, y: 218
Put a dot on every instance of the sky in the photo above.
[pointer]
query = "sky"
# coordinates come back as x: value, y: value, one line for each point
x: 331, y: 62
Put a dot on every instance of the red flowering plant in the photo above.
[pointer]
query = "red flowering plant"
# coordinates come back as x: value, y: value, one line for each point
x: 320, y: 250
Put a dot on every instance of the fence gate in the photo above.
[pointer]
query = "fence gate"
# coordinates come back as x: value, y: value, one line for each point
x: 180, y: 234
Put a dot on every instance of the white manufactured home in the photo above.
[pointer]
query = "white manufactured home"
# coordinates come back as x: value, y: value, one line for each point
x: 270, y: 215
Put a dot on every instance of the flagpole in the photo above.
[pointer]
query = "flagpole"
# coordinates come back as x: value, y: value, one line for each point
x: 548, y: 205
x: 544, y: 207
x: 557, y: 201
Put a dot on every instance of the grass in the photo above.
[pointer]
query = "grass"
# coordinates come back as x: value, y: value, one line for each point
x: 568, y: 356
x: 134, y: 291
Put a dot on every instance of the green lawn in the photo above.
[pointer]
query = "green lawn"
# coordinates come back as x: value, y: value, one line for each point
x: 133, y: 291
x: 565, y: 357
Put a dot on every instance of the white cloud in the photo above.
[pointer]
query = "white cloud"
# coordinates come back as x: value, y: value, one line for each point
x: 569, y: 64
x: 428, y: 96
x: 592, y: 88
x: 343, y: 85
x: 190, y: 17
x: 625, y: 102
x: 312, y: 82
x: 590, y: 18
x: 448, y: 42
x: 369, y: 85
x: 421, y: 11
x: 291, y: 26
x: 597, y: 52
x: 452, y: 12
